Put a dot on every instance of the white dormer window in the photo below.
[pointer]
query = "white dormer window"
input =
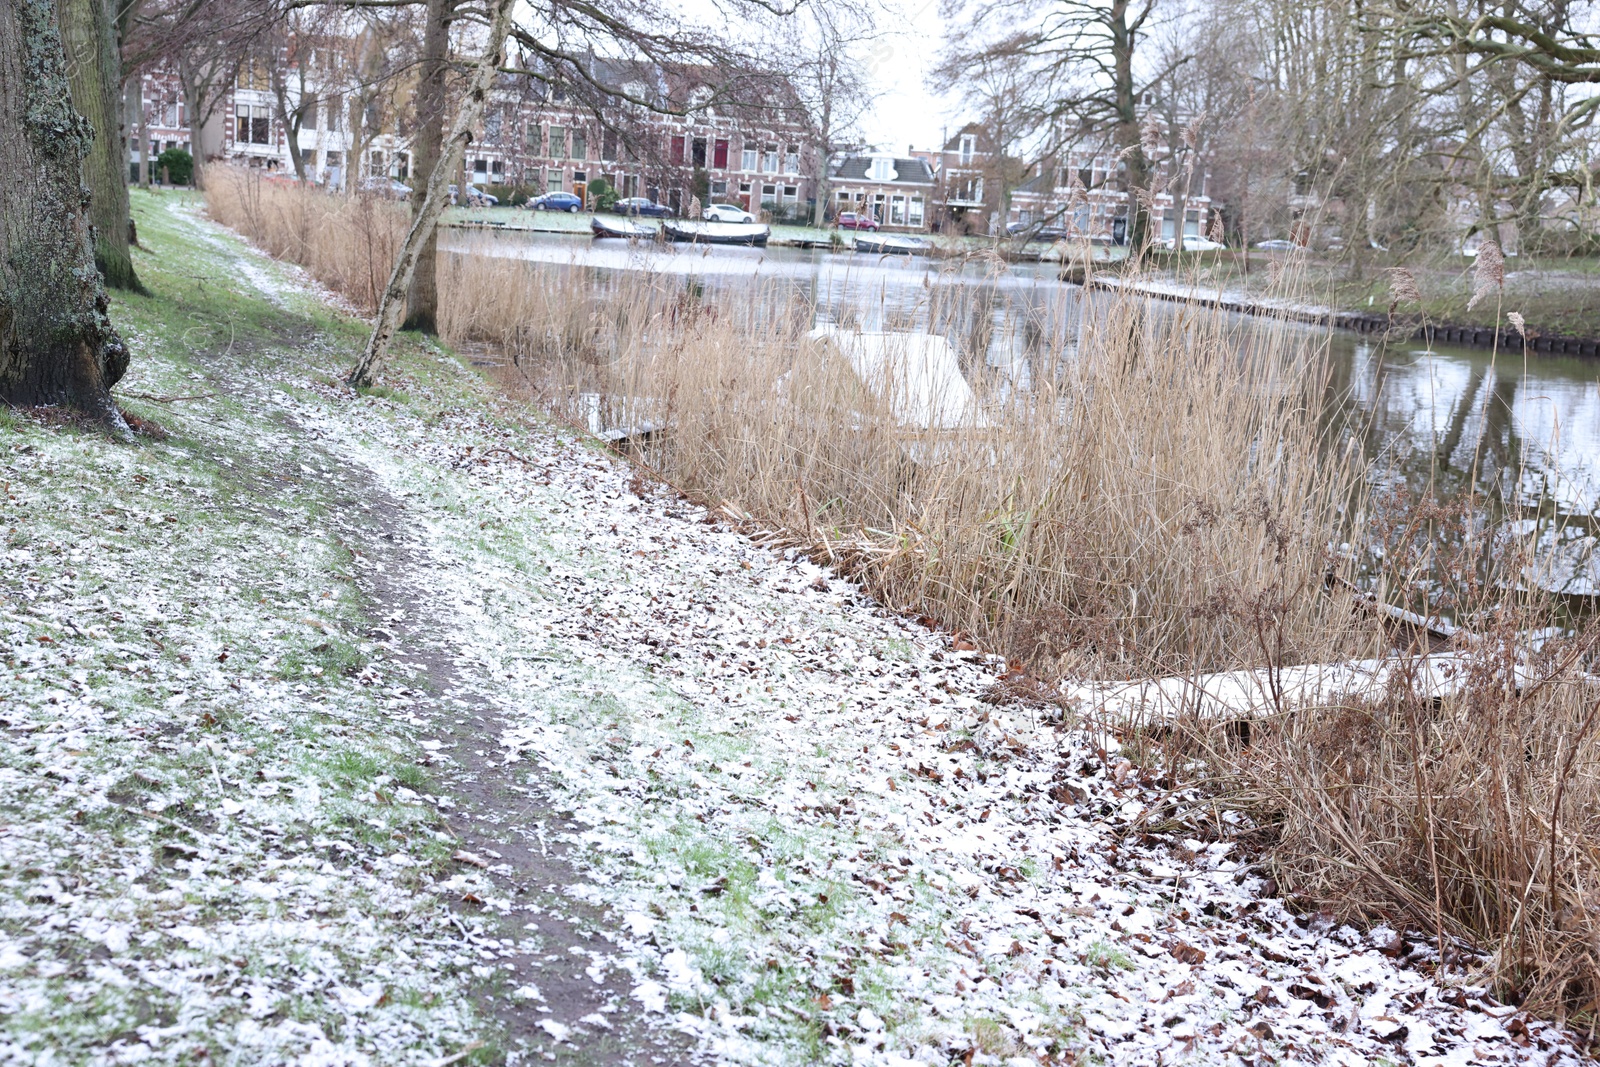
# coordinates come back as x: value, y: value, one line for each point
x: 969, y: 147
x: 883, y: 170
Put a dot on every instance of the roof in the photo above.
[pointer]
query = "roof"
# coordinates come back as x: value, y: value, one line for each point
x: 977, y: 129
x: 908, y: 171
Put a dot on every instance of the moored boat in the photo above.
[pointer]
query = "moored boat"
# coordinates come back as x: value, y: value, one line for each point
x: 892, y: 244
x: 604, y: 227
x: 718, y: 233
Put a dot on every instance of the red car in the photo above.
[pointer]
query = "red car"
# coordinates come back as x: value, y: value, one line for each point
x: 849, y: 220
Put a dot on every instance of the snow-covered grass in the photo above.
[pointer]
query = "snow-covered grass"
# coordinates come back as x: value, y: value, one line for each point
x: 214, y: 837
x: 817, y: 841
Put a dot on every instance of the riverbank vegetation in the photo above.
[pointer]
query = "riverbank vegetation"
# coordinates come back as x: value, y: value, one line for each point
x: 1145, y: 492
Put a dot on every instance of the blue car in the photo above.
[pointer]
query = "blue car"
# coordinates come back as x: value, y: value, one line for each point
x: 641, y: 205
x: 555, y: 202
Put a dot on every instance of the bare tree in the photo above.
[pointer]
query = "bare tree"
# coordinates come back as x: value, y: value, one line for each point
x: 56, y: 344
x: 422, y: 299
x: 995, y: 85
x: 824, y: 71
x: 1087, y: 70
x: 391, y: 307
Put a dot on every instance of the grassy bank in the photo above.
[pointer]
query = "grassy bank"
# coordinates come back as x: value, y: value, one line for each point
x: 219, y: 841
x: 1155, y: 496
x: 1557, y: 297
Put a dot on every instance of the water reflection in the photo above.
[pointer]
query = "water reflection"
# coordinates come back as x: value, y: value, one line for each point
x: 1521, y: 432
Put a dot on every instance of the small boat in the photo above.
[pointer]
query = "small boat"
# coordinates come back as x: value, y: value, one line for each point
x: 604, y: 227
x: 718, y: 233
x: 893, y: 244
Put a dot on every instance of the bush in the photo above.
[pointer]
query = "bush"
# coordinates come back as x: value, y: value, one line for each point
x: 601, y: 195
x: 178, y: 165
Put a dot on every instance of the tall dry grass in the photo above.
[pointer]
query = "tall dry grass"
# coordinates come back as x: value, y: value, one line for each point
x: 1158, y: 492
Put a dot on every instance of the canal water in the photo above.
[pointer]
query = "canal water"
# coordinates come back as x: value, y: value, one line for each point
x: 1526, y: 430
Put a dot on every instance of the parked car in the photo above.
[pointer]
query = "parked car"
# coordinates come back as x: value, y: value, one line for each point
x: 1041, y: 233
x: 387, y: 188
x: 475, y: 197
x: 555, y: 202
x: 727, y: 213
x: 1277, y: 244
x: 641, y: 205
x: 850, y: 220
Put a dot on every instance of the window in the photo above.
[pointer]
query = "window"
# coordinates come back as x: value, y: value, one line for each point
x: 533, y: 138
x: 719, y: 188
x: 533, y: 179
x: 308, y: 115
x: 498, y: 169
x: 254, y: 124
x: 676, y: 151
x: 748, y: 160
x: 335, y: 113
x: 791, y: 160
x: 254, y: 74
x: 897, y: 210
x: 744, y: 187
x: 844, y: 197
x: 883, y: 170
x: 697, y: 153
x: 969, y: 145
x: 915, y: 214
x: 769, y: 159
x: 791, y: 192
x: 608, y: 145
x: 375, y: 164
x: 493, y: 126
x: 719, y: 155
x: 580, y: 145
x: 558, y: 142
x: 553, y: 180
x: 768, y: 192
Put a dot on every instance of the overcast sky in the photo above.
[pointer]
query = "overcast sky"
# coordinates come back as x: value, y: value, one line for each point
x: 907, y: 114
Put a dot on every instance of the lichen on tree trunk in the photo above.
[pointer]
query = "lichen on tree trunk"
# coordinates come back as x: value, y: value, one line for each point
x: 57, y: 347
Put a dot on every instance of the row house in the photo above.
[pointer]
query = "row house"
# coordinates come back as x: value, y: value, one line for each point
x: 245, y: 129
x: 756, y: 157
x: 1081, y: 191
x: 970, y: 182
x: 898, y: 192
x: 534, y: 138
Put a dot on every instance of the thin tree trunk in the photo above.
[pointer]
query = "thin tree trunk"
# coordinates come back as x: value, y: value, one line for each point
x: 141, y: 125
x: 56, y: 344
x: 422, y: 301
x: 1129, y: 136
x: 94, y: 75
x: 392, y: 305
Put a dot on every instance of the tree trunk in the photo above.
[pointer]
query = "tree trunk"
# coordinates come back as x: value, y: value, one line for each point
x: 422, y: 301
x: 392, y: 305
x: 94, y: 75
x: 193, y: 95
x: 56, y: 344
x: 1129, y: 137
